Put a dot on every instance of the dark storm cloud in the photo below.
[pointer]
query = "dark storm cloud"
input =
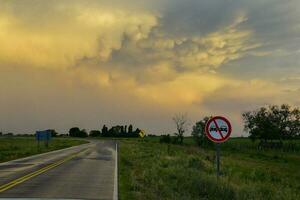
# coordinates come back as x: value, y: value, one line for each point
x: 78, y: 63
x: 275, y: 23
x: 268, y: 17
x: 193, y: 17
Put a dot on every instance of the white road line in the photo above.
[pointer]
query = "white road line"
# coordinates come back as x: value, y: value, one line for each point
x: 115, y: 197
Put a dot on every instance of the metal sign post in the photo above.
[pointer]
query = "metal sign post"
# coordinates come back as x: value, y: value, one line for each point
x: 218, y: 130
x: 218, y: 149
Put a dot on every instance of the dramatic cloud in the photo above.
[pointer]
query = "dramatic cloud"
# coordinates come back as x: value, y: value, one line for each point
x: 100, y: 62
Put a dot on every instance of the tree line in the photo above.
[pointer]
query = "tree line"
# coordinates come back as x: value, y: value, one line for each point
x: 114, y: 131
x: 268, y: 124
x: 271, y: 125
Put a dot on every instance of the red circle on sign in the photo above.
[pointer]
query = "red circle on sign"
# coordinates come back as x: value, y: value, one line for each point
x: 214, y: 120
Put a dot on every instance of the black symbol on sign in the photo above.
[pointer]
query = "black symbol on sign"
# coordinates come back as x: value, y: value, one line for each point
x: 222, y: 128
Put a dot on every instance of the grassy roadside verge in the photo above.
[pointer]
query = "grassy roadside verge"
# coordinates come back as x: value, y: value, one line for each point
x: 17, y: 147
x: 148, y: 170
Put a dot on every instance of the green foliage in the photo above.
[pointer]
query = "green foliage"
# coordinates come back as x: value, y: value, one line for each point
x: 165, y: 139
x: 53, y: 132
x: 76, y: 132
x: 104, y: 131
x: 73, y: 131
x: 94, y: 133
x: 152, y: 170
x: 18, y: 147
x: 130, y: 128
x: 273, y: 123
x: 199, y: 134
x: 120, y: 131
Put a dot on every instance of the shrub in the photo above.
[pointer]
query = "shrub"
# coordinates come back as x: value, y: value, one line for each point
x: 165, y: 139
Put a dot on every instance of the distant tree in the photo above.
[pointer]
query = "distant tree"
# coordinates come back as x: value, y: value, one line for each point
x: 181, y: 122
x: 272, y: 123
x: 0, y: 133
x: 294, y: 124
x: 104, y: 131
x: 122, y: 130
x: 94, y: 133
x: 115, y: 131
x: 82, y: 133
x: 165, y: 138
x: 119, y: 131
x: 73, y: 132
x: 76, y: 132
x: 130, y: 129
x: 53, y: 132
x: 136, y: 133
x: 62, y: 135
x: 199, y: 135
x: 111, y: 132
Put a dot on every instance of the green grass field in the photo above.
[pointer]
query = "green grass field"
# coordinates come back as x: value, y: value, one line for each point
x: 150, y: 170
x: 16, y: 147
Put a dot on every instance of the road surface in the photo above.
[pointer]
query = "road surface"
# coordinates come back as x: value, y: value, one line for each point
x: 83, y: 172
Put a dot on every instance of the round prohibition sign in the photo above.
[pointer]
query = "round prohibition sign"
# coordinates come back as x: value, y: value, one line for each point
x: 218, y: 129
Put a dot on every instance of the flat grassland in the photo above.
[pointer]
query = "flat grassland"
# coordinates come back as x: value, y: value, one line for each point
x: 151, y: 170
x: 18, y: 147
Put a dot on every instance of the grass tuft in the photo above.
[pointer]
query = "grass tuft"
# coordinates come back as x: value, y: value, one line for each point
x: 151, y: 170
x: 17, y: 147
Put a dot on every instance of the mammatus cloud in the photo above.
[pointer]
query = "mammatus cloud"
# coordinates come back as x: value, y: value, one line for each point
x: 131, y: 53
x: 116, y: 48
x: 90, y: 33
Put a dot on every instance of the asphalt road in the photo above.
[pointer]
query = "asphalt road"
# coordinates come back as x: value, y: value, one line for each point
x: 82, y: 172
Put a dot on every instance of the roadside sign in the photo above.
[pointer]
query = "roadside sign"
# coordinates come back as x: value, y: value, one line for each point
x: 142, y: 133
x: 43, y: 135
x: 218, y: 129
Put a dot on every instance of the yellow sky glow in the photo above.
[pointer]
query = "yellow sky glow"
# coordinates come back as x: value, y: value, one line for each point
x: 128, y: 56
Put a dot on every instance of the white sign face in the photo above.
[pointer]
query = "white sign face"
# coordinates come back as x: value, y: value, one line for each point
x: 218, y: 129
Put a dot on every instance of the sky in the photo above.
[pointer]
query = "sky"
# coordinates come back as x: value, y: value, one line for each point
x: 87, y: 63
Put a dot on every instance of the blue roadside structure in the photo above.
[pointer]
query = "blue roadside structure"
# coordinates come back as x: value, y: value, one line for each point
x: 43, y: 136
